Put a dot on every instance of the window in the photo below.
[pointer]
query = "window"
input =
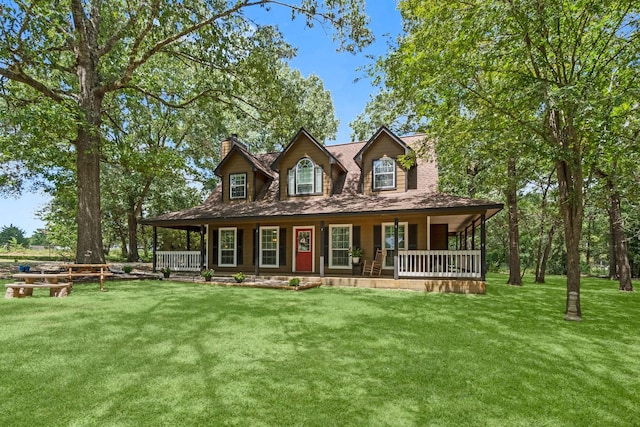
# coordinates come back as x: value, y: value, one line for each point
x: 269, y: 246
x: 388, y: 241
x: 384, y: 174
x: 227, y: 247
x: 238, y: 186
x: 339, y: 244
x: 305, y: 178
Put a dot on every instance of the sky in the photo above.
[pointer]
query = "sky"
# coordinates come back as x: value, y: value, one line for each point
x: 316, y: 55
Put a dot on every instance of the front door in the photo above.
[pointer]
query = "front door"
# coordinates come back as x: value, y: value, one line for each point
x: 304, y: 249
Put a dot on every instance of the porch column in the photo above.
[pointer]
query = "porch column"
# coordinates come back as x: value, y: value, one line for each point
x: 321, y: 248
x: 428, y: 233
x: 473, y: 235
x: 203, y: 230
x: 465, y: 238
x: 188, y: 240
x: 483, y: 250
x: 395, y: 247
x: 155, y: 245
x: 256, y: 249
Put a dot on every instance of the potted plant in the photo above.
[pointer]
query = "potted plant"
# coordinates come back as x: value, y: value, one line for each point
x: 239, y: 277
x: 166, y: 271
x: 355, y: 254
x: 295, y: 282
x: 207, y: 274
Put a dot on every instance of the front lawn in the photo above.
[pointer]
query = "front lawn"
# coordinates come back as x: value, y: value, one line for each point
x: 167, y: 353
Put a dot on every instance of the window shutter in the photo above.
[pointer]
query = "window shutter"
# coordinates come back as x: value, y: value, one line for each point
x: 377, y: 238
x: 214, y: 234
x: 291, y: 182
x: 355, y: 239
x: 255, y: 244
x: 413, y: 237
x: 318, y: 177
x: 325, y: 250
x: 283, y: 247
x: 239, y: 246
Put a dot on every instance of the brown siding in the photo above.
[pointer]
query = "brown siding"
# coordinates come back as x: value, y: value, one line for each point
x: 439, y: 237
x: 303, y: 147
x: 237, y: 164
x: 382, y: 147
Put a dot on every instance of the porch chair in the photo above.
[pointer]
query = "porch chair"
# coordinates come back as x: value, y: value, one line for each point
x: 374, y: 266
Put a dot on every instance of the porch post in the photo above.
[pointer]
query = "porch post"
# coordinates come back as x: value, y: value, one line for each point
x: 155, y: 245
x: 483, y: 249
x: 256, y: 249
x: 473, y: 235
x: 428, y: 233
x: 202, y: 248
x: 395, y: 247
x: 188, y: 240
x: 321, y: 248
x: 465, y: 238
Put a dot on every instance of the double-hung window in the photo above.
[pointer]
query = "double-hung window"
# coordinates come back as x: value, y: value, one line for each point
x: 388, y: 240
x: 227, y: 247
x: 339, y: 244
x: 305, y: 178
x: 238, y: 186
x: 384, y: 174
x: 269, y: 237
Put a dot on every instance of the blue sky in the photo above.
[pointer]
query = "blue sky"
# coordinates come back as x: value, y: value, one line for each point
x: 316, y: 55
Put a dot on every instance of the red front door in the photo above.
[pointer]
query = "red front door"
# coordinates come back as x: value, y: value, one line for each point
x: 304, y: 249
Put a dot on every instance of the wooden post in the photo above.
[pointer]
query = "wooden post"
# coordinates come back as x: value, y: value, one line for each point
x: 203, y: 251
x: 155, y: 245
x: 256, y: 250
x: 396, y: 248
x: 321, y: 248
x: 483, y: 249
x: 473, y: 235
x: 188, y: 240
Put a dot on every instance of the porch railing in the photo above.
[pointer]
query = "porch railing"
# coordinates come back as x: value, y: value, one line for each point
x: 439, y: 264
x: 179, y: 260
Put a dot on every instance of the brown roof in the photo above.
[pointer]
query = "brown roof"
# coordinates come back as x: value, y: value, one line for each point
x: 346, y: 200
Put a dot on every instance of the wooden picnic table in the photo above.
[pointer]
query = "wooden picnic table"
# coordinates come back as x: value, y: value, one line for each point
x: 88, y: 270
x: 51, y: 281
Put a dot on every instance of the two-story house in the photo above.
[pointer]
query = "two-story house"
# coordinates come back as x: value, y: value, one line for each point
x: 302, y: 210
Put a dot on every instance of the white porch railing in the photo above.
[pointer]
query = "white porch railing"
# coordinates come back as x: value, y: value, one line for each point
x: 179, y: 260
x: 439, y: 264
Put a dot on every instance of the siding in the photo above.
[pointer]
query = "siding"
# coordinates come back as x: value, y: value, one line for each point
x: 382, y: 147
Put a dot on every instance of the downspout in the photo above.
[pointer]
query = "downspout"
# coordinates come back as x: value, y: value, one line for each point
x: 256, y: 249
x: 396, y: 248
x: 483, y: 249
x: 202, y: 248
x: 155, y: 245
x: 321, y: 248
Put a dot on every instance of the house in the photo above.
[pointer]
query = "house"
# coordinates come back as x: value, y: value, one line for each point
x: 302, y: 210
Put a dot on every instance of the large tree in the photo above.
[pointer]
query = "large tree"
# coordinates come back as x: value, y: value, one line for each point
x: 75, y: 54
x: 539, y: 66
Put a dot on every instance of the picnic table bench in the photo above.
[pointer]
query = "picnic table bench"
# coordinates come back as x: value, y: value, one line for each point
x: 48, y: 281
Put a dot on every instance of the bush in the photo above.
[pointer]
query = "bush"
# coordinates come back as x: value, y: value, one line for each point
x: 239, y: 277
x: 127, y: 269
x: 294, y: 282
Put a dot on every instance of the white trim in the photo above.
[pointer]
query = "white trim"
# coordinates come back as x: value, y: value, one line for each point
x: 277, y: 249
x: 331, y: 227
x: 294, y: 244
x: 387, y: 187
x: 243, y: 186
x: 235, y: 246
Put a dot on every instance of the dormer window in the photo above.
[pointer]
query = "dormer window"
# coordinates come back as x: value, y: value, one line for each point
x: 305, y: 178
x: 238, y: 186
x: 384, y: 174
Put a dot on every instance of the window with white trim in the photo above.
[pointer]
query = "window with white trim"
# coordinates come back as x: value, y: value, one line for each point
x: 384, y: 174
x: 305, y: 178
x: 227, y: 246
x: 388, y: 240
x: 238, y: 186
x: 269, y: 239
x: 339, y: 244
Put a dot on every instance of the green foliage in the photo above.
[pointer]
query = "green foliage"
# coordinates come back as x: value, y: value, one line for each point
x: 127, y: 269
x: 207, y: 273
x: 12, y: 237
x: 294, y: 281
x: 239, y: 277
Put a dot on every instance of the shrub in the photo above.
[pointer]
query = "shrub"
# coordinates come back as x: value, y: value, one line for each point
x: 239, y: 277
x: 294, y: 282
x: 127, y: 269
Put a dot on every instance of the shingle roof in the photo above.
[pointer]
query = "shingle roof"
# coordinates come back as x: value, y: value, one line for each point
x: 346, y: 200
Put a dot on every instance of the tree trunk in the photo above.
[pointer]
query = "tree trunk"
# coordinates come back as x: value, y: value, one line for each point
x: 545, y: 257
x: 514, y: 237
x: 613, y: 259
x: 88, y: 151
x: 132, y: 225
x: 624, y: 271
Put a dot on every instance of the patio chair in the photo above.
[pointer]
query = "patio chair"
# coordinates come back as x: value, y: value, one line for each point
x: 374, y: 267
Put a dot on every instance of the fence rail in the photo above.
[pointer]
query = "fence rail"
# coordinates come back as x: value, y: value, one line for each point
x: 179, y: 260
x: 439, y: 264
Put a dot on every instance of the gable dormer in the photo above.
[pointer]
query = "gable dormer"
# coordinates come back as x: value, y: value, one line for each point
x: 306, y: 168
x: 242, y: 175
x: 378, y: 162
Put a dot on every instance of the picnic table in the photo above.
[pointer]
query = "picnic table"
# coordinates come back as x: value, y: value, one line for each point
x: 88, y: 270
x: 33, y: 281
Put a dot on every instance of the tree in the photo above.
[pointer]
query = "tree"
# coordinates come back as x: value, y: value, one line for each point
x: 76, y: 55
x: 539, y: 67
x: 11, y: 234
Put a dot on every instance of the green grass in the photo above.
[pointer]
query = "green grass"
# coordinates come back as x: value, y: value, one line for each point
x: 166, y: 353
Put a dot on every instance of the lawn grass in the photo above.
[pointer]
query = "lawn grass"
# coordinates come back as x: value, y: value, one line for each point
x: 167, y: 353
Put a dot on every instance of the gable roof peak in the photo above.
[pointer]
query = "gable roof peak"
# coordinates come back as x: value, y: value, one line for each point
x: 382, y: 129
x: 303, y: 131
